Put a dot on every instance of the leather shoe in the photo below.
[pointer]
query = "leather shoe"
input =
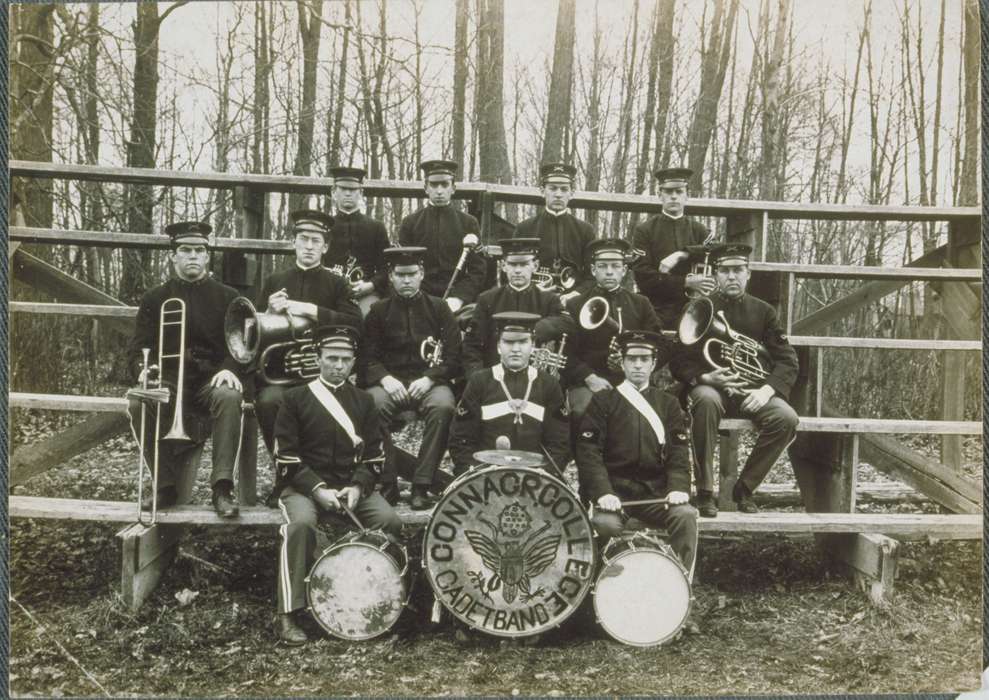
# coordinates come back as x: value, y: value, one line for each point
x: 167, y: 497
x: 690, y: 626
x: 223, y: 500
x: 390, y: 492
x: 288, y: 630
x: 706, y: 505
x: 420, y: 501
x: 745, y: 503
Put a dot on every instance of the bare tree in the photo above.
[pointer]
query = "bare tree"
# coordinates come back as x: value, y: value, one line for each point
x: 459, y: 78
x: 490, y: 103
x: 561, y: 83
x: 969, y: 185
x: 310, y: 14
x: 769, y: 186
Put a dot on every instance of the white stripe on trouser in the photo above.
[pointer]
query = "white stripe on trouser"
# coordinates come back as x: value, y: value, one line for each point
x: 283, y: 561
x: 693, y: 563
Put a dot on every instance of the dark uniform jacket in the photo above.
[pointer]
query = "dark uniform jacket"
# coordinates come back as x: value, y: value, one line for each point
x: 618, y: 453
x: 588, y: 353
x: 317, y: 285
x: 393, y: 333
x: 206, y: 304
x: 441, y: 230
x: 756, y: 319
x: 562, y: 238
x: 481, y: 339
x: 359, y: 235
x: 659, y: 236
x: 312, y: 448
x: 483, y: 414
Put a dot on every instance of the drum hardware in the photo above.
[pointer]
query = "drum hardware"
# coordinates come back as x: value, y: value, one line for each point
x: 469, y: 242
x: 510, y: 458
x: 723, y: 347
x: 596, y: 312
x: 288, y: 355
x: 549, y: 359
x: 431, y: 350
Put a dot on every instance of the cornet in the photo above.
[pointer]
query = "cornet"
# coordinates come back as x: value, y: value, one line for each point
x: 550, y: 359
x: 556, y: 279
x: 723, y: 348
x: 596, y: 312
x: 431, y: 350
x: 352, y: 272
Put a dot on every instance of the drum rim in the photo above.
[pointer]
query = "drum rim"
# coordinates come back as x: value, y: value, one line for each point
x: 671, y: 635
x: 424, y: 563
x: 340, y: 544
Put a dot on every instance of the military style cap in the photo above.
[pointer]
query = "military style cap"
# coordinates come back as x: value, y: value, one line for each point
x: 519, y: 246
x: 515, y: 322
x: 608, y: 249
x: 673, y: 177
x: 189, y: 232
x: 340, y: 337
x: 731, y: 254
x: 405, y: 255
x: 354, y: 176
x: 557, y: 170
x: 644, y: 340
x: 439, y: 167
x: 311, y: 221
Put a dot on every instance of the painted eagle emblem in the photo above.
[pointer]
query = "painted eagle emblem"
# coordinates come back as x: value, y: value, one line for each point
x: 517, y: 558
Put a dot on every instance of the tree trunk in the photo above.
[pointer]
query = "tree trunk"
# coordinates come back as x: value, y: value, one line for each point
x: 660, y: 80
x: 593, y: 165
x: 494, y: 166
x: 769, y: 186
x: 260, y: 145
x: 459, y: 80
x: 341, y: 94
x: 969, y: 187
x: 620, y: 163
x: 310, y: 30
x: 561, y: 83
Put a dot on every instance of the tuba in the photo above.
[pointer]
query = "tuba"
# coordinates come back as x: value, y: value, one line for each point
x: 723, y: 348
x: 596, y: 313
x: 550, y: 358
x: 280, y: 343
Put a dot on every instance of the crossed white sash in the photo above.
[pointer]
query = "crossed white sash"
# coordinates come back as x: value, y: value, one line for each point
x: 510, y: 406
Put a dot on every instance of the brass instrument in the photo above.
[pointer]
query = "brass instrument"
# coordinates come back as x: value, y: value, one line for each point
x: 550, y: 358
x: 596, y: 312
x: 557, y: 279
x: 174, y: 308
x: 470, y: 242
x: 431, y: 350
x: 281, y: 343
x: 352, y: 272
x: 724, y: 348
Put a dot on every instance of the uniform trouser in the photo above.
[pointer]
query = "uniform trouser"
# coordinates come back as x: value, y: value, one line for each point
x: 223, y: 406
x: 776, y: 423
x: 269, y: 400
x: 436, y: 409
x: 680, y: 521
x: 299, y: 534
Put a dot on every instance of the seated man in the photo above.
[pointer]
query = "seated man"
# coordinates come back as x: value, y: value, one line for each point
x: 513, y: 400
x: 719, y: 391
x: 412, y: 353
x: 211, y: 386
x: 520, y: 261
x: 633, y: 446
x: 326, y: 434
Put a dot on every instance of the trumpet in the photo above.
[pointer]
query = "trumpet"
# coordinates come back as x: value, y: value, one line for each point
x: 550, y: 358
x: 352, y: 272
x: 431, y: 350
x: 596, y: 312
x: 724, y: 348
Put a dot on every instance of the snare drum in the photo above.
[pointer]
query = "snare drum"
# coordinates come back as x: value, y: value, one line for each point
x: 642, y: 593
x: 509, y: 551
x: 358, y: 587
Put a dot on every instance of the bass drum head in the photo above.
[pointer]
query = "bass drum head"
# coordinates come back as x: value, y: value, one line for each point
x: 356, y: 591
x: 642, y: 597
x: 509, y: 551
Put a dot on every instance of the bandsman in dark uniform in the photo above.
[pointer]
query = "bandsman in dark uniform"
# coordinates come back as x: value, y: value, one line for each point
x: 633, y: 445
x: 412, y: 353
x: 327, y: 436
x: 307, y: 290
x: 519, y: 262
x: 212, y: 390
x: 714, y: 393
x: 440, y: 228
x: 588, y: 370
x: 563, y: 238
x: 356, y: 237
x: 513, y: 400
x: 663, y: 273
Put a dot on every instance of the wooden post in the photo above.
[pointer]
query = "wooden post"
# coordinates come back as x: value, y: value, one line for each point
x: 871, y: 560
x: 487, y: 203
x: 728, y: 464
x: 146, y: 553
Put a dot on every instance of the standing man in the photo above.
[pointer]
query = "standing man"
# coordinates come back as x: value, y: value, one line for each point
x: 327, y: 434
x: 663, y: 273
x: 412, y: 354
x: 306, y: 290
x: 632, y: 446
x: 520, y: 260
x: 356, y: 237
x: 211, y: 389
x: 511, y: 399
x: 714, y: 393
x: 563, y: 238
x: 594, y: 365
x: 441, y: 230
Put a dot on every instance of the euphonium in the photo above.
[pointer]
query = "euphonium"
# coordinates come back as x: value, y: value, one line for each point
x: 723, y: 348
x: 596, y: 313
x: 280, y: 343
x: 431, y: 350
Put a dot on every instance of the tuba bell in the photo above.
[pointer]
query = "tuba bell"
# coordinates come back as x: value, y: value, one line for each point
x: 723, y: 347
x: 595, y: 313
x: 281, y: 344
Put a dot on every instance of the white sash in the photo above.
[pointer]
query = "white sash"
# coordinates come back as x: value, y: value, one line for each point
x: 336, y: 411
x: 639, y: 403
x: 510, y: 405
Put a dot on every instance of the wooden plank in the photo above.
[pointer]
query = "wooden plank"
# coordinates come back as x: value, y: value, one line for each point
x: 869, y: 425
x: 146, y: 553
x: 954, y: 386
x: 787, y: 494
x: 113, y: 239
x: 819, y: 341
x: 98, y: 310
x: 866, y: 272
x: 67, y: 402
x: 728, y: 466
x: 872, y: 561
x: 38, y: 457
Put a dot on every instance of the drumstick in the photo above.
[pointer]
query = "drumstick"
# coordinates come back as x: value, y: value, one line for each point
x: 353, y: 517
x: 556, y: 468
x: 647, y: 502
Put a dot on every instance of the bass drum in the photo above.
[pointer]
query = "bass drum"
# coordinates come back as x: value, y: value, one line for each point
x: 359, y: 586
x: 642, y: 593
x: 509, y: 551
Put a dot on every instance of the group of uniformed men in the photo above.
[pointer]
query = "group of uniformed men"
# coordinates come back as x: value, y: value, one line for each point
x: 330, y: 437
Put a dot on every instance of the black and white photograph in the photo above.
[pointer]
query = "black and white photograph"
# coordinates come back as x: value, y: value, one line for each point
x: 505, y: 348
